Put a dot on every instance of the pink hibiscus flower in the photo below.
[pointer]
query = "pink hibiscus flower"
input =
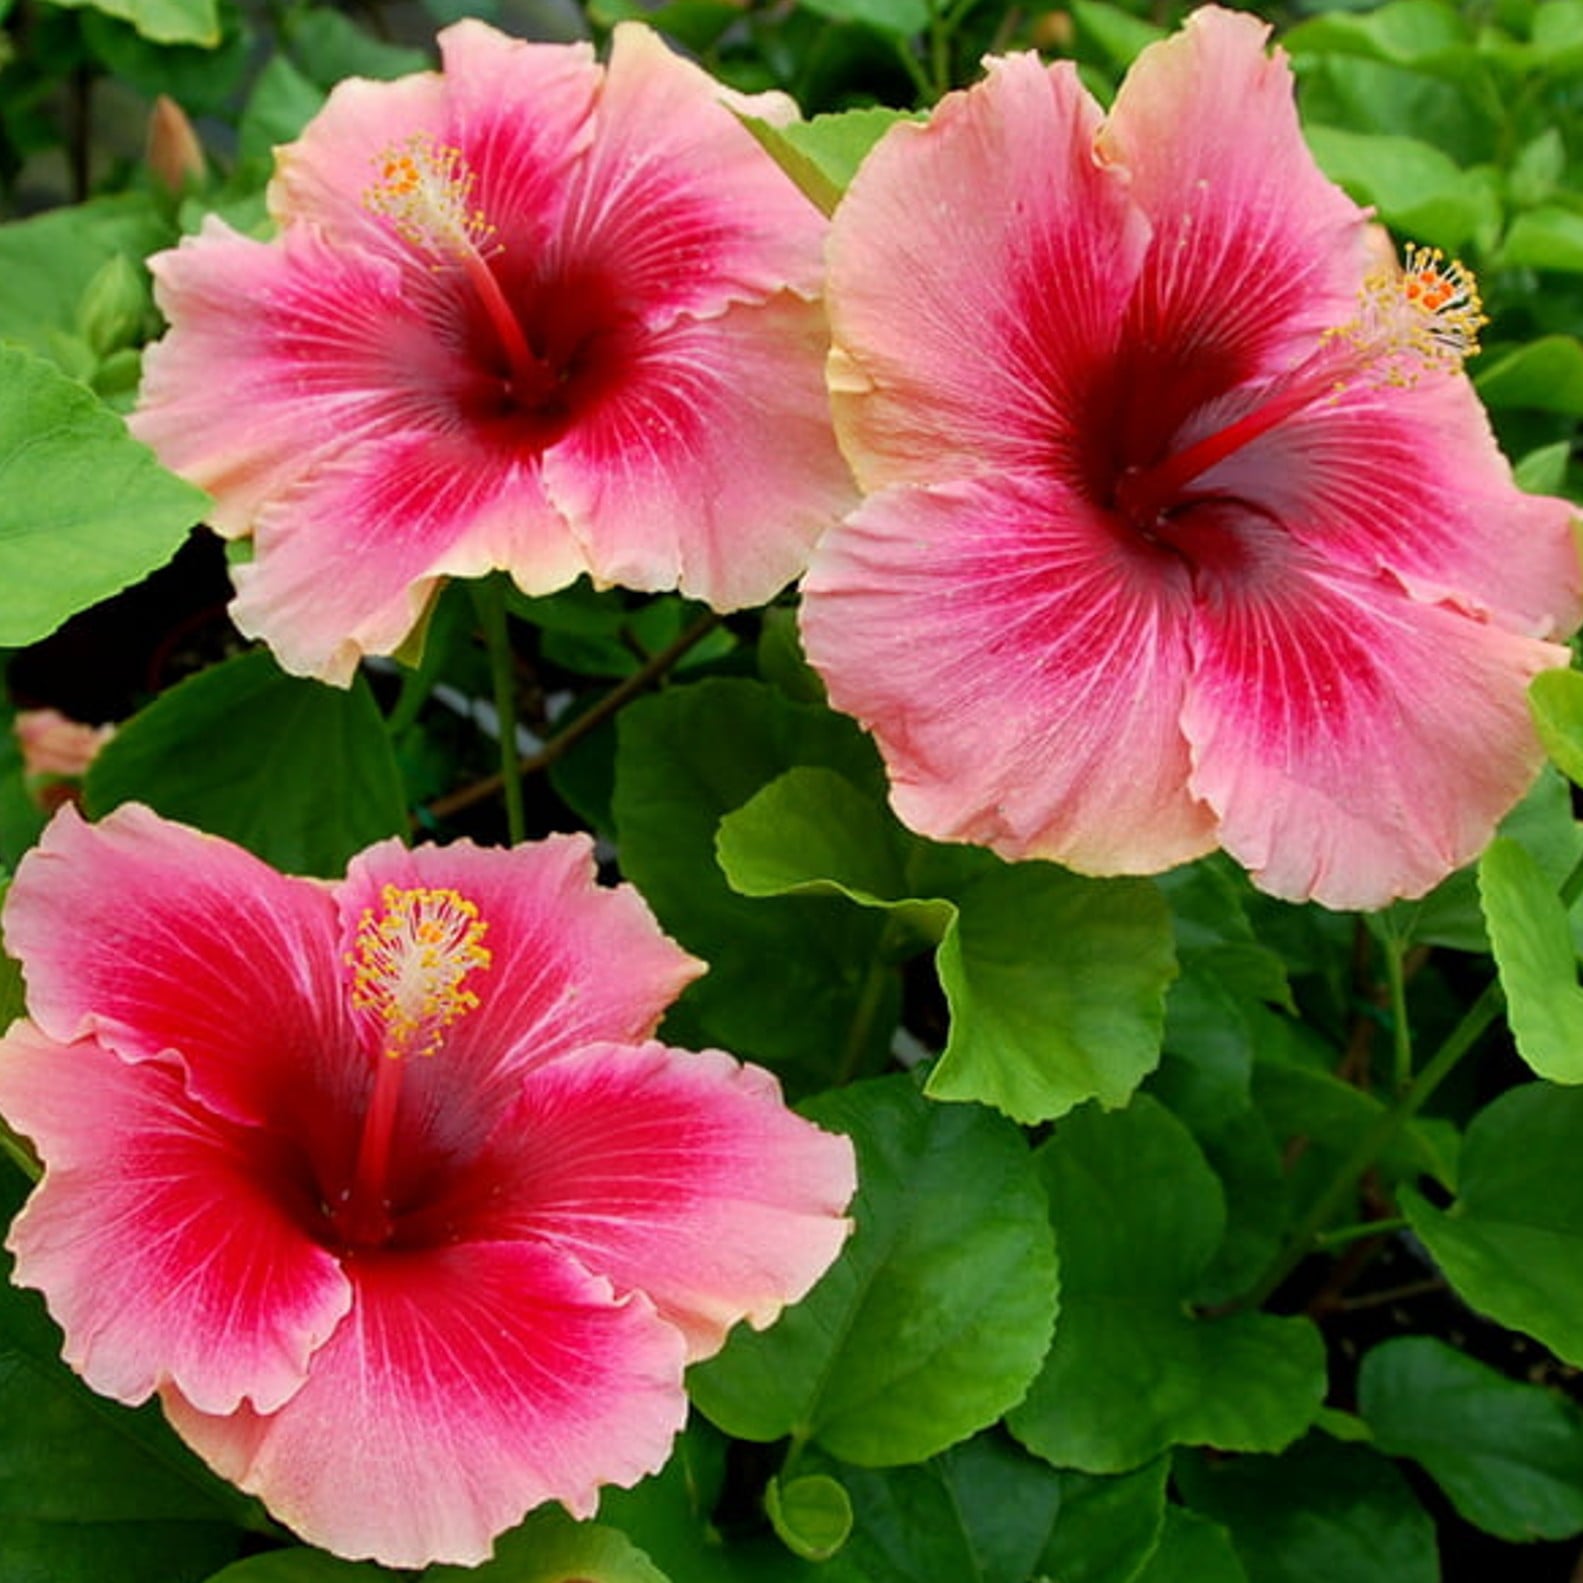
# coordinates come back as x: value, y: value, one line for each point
x: 382, y: 1185
x: 532, y: 313
x: 1185, y: 528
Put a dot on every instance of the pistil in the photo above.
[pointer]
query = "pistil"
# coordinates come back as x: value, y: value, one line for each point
x: 1424, y: 316
x: 425, y: 190
x: 410, y: 964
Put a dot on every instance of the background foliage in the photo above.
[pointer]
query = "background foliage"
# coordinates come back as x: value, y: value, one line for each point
x: 1201, y: 1239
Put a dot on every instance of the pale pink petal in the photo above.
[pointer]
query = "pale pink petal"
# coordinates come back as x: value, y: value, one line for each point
x: 348, y: 560
x: 1357, y: 743
x: 1021, y: 659
x: 979, y: 268
x: 1409, y: 479
x: 154, y: 938
x: 677, y: 190
x: 678, y: 1174
x: 284, y: 355
x: 519, y: 114
x: 712, y: 468
x: 468, y: 1385
x: 1255, y: 252
x: 53, y: 744
x: 163, y: 1237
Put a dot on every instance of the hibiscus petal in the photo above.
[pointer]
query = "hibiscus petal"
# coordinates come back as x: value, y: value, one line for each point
x: 161, y: 1236
x: 571, y: 963
x: 1255, y: 252
x: 677, y: 190
x: 467, y: 1385
x: 214, y: 936
x: 979, y: 266
x: 315, y: 349
x: 347, y: 563
x: 1409, y: 479
x: 679, y: 1174
x: 712, y: 467
x: 1021, y: 660
x: 1358, y: 744
x: 519, y: 113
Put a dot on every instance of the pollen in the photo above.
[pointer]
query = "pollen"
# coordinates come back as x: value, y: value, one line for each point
x: 410, y: 962
x: 425, y: 189
x: 1423, y: 314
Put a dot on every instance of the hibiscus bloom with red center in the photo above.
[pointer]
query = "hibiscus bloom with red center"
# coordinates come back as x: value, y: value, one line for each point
x: 383, y: 1186
x: 1185, y: 528
x: 531, y: 313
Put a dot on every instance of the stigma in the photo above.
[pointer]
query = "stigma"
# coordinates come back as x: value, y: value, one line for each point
x: 425, y: 189
x: 1424, y: 314
x: 411, y: 960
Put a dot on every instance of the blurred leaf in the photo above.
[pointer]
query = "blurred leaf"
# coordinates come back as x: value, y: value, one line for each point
x: 162, y: 21
x: 282, y: 102
x: 1192, y: 1551
x: 201, y: 78
x: 551, y: 1548
x: 1138, y: 1216
x: 1416, y: 188
x: 900, y: 18
x: 301, y: 775
x: 1544, y: 471
x: 812, y: 1515
x: 1512, y: 1244
x: 1318, y: 1514
x: 1539, y: 168
x: 1545, y: 238
x: 1120, y: 35
x: 1546, y: 375
x: 328, y: 45
x: 301, y: 1566
x: 1556, y: 700
x: 1538, y: 963
x: 1557, y: 36
x: 84, y: 508
x: 938, y: 1312
x: 1509, y: 1456
x: 1423, y: 34
x: 1055, y: 982
x: 822, y: 155
x: 47, y: 262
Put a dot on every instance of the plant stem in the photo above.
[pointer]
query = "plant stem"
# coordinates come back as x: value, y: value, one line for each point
x: 490, y: 598
x: 875, y: 980
x: 1374, y: 1142
x: 1342, y: 1235
x: 612, y: 703
x: 1401, y: 1030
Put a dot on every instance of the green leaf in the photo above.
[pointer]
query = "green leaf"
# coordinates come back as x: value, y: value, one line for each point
x: 162, y: 21
x: 1121, y: 37
x: 900, y: 18
x: 1055, y: 982
x: 1192, y: 1551
x: 327, y: 45
x: 1546, y: 375
x: 1556, y: 701
x: 1414, y: 186
x: 1510, y: 1456
x: 301, y: 775
x: 812, y: 1515
x: 1107, y: 1527
x: 1512, y: 1244
x: 84, y: 508
x: 1545, y: 238
x: 1543, y: 471
x: 1318, y: 1514
x: 686, y: 758
x: 301, y: 1566
x: 822, y: 155
x: 1422, y: 34
x: 936, y: 1316
x: 1138, y: 1217
x: 1534, y: 951
x: 551, y: 1548
x: 282, y: 102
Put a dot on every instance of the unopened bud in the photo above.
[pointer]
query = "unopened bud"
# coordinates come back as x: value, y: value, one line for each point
x: 174, y: 154
x: 114, y: 306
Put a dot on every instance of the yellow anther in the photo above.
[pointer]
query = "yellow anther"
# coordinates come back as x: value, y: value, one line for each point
x: 425, y: 190
x: 1424, y: 314
x: 410, y: 961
